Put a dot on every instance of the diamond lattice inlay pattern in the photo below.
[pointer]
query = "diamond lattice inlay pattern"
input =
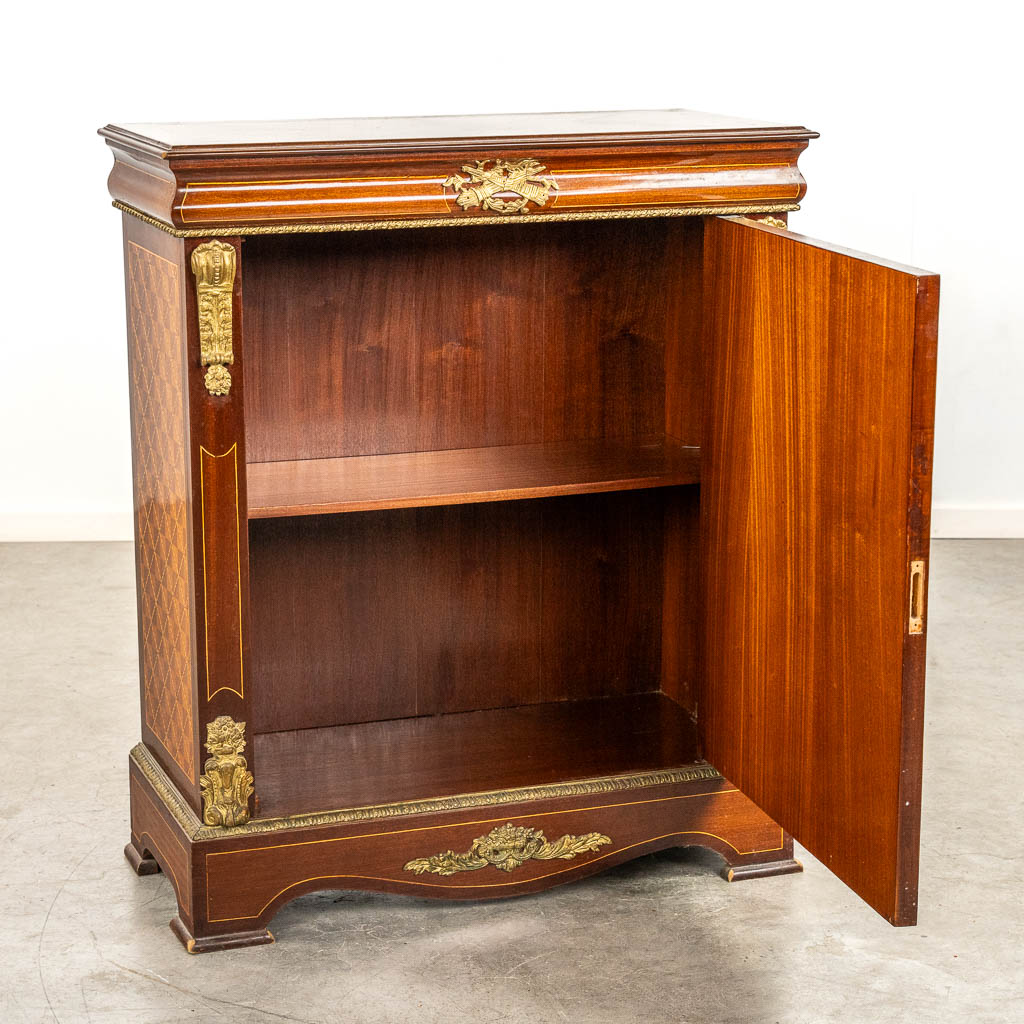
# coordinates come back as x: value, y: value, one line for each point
x: 156, y: 343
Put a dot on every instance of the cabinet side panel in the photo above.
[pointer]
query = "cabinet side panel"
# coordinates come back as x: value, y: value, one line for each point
x: 156, y: 351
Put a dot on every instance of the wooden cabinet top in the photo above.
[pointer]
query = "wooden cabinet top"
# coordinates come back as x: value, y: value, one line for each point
x: 284, y: 176
x: 388, y: 134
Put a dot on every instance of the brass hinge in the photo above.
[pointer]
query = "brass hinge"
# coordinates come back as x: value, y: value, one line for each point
x: 916, y: 624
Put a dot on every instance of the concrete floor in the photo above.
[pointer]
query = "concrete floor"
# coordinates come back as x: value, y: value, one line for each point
x: 661, y: 940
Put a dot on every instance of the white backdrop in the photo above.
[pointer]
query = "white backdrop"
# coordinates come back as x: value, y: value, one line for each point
x: 919, y: 161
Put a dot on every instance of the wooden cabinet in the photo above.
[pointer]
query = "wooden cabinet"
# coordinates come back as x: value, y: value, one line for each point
x: 515, y: 496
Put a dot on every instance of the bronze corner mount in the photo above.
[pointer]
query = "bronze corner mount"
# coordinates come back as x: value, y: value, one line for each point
x: 226, y: 783
x: 213, y: 264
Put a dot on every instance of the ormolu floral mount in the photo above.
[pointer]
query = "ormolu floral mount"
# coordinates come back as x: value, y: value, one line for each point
x: 507, y: 848
x: 226, y: 783
x: 213, y: 264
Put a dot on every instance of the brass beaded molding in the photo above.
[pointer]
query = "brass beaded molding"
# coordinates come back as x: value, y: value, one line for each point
x: 198, y: 832
x: 450, y: 222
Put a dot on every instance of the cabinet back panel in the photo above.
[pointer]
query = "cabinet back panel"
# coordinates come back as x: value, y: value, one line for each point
x: 416, y: 340
x: 378, y: 615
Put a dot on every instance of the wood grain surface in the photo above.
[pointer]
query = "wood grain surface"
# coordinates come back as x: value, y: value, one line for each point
x: 517, y: 505
x: 353, y: 171
x: 229, y: 888
x: 821, y: 368
x: 475, y: 751
x: 424, y: 340
x: 376, y: 615
x: 467, y: 475
x: 219, y: 522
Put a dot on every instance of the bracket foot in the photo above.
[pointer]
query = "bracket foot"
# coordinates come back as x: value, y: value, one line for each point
x: 764, y: 869
x: 142, y: 863
x: 212, y: 943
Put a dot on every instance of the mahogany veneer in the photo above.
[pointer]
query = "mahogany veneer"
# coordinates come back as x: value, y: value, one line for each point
x: 474, y: 562
x: 459, y: 608
x: 265, y: 173
x: 465, y: 475
x: 471, y: 752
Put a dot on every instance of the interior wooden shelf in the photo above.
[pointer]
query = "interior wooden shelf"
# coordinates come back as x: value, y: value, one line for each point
x: 475, y: 751
x: 461, y: 476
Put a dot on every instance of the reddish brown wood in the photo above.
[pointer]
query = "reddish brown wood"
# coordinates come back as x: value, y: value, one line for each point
x: 214, y: 943
x: 766, y: 868
x: 191, y: 509
x: 569, y: 129
x: 219, y: 509
x: 141, y: 863
x: 919, y: 500
x: 155, y: 282
x: 601, y: 598
x: 157, y: 835
x: 427, y: 340
x: 237, y: 883
x: 446, y: 755
x: 684, y: 362
x: 815, y: 358
x: 372, y: 615
x: 681, y: 620
x: 466, y: 475
x: 684, y: 415
x: 261, y: 173
x: 414, y: 633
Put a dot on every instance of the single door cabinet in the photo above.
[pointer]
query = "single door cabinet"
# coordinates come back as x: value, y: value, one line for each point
x: 515, y: 496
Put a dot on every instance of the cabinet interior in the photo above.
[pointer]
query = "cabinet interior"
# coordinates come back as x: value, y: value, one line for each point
x: 473, y: 487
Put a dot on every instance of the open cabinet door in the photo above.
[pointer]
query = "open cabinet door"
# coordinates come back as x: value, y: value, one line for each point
x: 815, y: 504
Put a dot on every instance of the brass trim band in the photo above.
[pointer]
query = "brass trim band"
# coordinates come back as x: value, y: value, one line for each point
x: 454, y: 221
x: 198, y: 832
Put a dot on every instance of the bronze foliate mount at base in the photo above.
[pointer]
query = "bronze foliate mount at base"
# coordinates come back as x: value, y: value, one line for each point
x: 226, y: 783
x: 506, y: 848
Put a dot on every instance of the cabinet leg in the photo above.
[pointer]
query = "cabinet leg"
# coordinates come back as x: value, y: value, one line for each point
x: 761, y: 870
x: 779, y: 862
x: 142, y: 861
x: 212, y: 943
x: 761, y: 865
